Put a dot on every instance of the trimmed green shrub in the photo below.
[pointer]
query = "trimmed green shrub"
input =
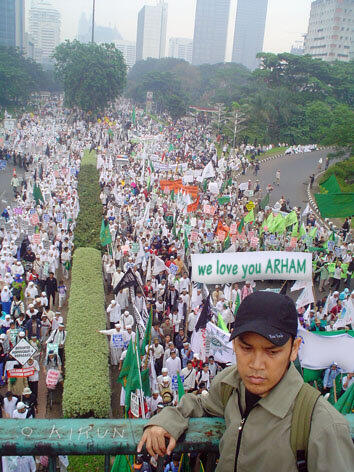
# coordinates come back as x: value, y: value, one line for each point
x: 88, y: 225
x: 344, y: 172
x: 87, y: 383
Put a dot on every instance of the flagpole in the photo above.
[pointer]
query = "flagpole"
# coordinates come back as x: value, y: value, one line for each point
x: 140, y: 381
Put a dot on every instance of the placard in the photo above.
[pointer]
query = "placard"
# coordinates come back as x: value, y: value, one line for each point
x: 233, y: 228
x: 194, y: 236
x: 221, y: 236
x: 208, y: 223
x: 134, y: 405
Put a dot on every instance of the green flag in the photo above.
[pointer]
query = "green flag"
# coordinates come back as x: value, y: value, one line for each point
x: 223, y: 200
x: 313, y: 232
x: 227, y: 242
x: 205, y: 185
x: 37, y: 194
x: 345, y: 404
x: 241, y: 225
x: 302, y: 231
x: 295, y: 232
x: 147, y: 336
x: 249, y: 218
x: 105, y: 234
x: 237, y: 304
x: 291, y: 219
x: 186, y: 243
x: 228, y: 183
x: 181, y: 391
x: 123, y: 464
x: 151, y: 166
x: 126, y: 364
x: 331, y: 185
x: 133, y: 379
x: 133, y: 115
x: 264, y: 202
x: 110, y: 132
x: 221, y: 323
x: 172, y: 195
x: 171, y: 148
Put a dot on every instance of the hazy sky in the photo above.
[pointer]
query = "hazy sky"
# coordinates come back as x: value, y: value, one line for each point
x: 286, y: 21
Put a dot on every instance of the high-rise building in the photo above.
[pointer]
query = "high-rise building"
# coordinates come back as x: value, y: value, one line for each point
x: 151, y: 31
x: 298, y: 48
x: 249, y: 32
x: 12, y: 23
x: 210, y: 31
x: 103, y: 34
x: 181, y: 48
x: 44, y: 27
x: 128, y: 49
x: 330, y: 33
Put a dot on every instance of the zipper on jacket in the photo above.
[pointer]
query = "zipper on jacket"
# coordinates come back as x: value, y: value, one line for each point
x: 244, y: 416
x: 240, y: 431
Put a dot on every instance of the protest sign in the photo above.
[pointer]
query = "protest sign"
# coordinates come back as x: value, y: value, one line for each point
x: 208, y: 223
x: 20, y: 373
x: 221, y: 235
x: 260, y: 265
x: 134, y: 405
x: 23, y: 351
x: 233, y: 228
x: 135, y: 248
x: 250, y: 205
x: 173, y: 269
x: 206, y: 209
x: 194, y: 236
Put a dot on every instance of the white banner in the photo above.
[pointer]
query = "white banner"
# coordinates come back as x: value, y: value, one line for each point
x: 240, y: 266
x: 319, y: 352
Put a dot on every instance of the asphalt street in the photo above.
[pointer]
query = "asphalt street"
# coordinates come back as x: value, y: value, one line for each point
x: 6, y: 192
x: 295, y: 171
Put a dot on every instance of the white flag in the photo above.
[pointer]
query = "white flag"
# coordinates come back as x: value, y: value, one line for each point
x: 306, y: 297
x: 307, y: 210
x: 319, y: 352
x: 159, y: 266
x: 208, y: 171
x: 299, y: 285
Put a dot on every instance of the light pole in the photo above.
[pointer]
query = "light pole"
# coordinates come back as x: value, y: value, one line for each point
x: 93, y: 20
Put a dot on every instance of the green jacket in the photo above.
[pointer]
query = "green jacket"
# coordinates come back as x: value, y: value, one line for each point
x: 265, y: 444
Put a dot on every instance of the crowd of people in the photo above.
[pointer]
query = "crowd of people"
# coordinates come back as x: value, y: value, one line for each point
x: 167, y: 193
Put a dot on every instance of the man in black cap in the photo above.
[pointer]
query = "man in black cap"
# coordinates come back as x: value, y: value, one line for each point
x: 257, y: 400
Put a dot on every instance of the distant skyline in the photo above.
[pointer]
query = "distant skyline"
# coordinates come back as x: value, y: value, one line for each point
x: 287, y: 20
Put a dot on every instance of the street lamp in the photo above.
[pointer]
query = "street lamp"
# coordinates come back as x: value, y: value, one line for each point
x: 93, y: 20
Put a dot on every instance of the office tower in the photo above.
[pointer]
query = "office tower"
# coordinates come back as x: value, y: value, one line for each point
x: 12, y: 23
x: 151, y: 31
x: 331, y: 30
x: 210, y: 31
x: 103, y: 34
x: 128, y: 49
x: 249, y: 32
x: 181, y: 48
x: 297, y: 48
x: 44, y: 27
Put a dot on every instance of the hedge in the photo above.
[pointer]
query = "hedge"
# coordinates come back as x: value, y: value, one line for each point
x: 87, y: 382
x: 88, y: 225
x: 344, y: 172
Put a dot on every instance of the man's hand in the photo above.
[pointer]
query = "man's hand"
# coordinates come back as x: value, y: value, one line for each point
x: 154, y: 437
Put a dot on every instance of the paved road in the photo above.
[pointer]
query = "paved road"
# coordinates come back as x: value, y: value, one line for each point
x: 294, y: 171
x: 6, y: 192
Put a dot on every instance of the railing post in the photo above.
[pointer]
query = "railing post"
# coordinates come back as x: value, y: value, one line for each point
x: 52, y: 463
x: 107, y: 463
x: 0, y: 463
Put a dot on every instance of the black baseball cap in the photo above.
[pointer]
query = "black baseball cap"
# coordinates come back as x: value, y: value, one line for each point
x: 268, y: 314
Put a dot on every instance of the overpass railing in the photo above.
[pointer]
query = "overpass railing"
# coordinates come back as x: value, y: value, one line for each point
x: 34, y: 437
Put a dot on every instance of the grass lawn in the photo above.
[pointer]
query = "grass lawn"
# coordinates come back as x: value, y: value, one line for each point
x: 272, y: 152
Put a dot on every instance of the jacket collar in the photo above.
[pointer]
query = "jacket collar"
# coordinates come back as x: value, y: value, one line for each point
x: 282, y: 396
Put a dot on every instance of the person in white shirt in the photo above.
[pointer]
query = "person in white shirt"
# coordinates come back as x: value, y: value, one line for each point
x: 188, y: 374
x: 114, y: 311
x: 57, y: 320
x: 21, y: 412
x: 192, y: 321
x: 117, y: 340
x: 197, y: 299
x: 123, y: 298
x: 33, y: 379
x: 184, y: 283
x: 173, y: 364
x: 127, y: 319
x: 348, y: 380
x: 204, y: 376
x: 157, y: 353
x: 152, y: 402
x: 9, y: 404
x: 19, y: 464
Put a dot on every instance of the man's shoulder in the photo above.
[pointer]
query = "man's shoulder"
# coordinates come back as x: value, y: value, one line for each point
x: 228, y: 376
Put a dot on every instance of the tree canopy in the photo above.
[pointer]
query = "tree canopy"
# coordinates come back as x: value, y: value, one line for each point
x: 19, y: 77
x: 92, y: 74
x: 293, y: 99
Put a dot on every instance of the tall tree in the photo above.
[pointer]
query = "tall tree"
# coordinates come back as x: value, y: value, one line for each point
x: 92, y: 74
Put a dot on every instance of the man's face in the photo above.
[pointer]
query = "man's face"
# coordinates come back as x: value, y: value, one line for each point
x: 260, y: 363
